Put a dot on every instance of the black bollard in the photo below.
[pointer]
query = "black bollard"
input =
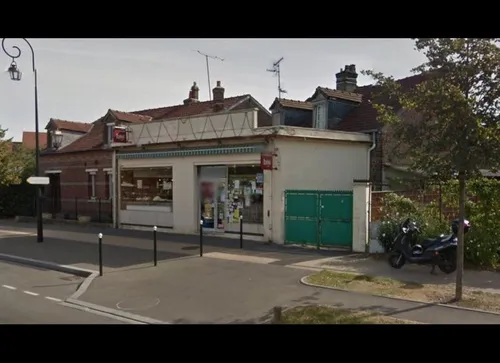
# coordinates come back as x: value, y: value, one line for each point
x: 241, y: 231
x: 155, y: 249
x: 100, y: 254
x: 201, y: 238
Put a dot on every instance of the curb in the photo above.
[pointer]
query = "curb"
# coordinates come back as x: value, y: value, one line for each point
x: 89, y: 276
x: 306, y: 283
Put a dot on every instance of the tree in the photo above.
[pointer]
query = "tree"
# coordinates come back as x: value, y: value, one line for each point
x: 15, y: 164
x: 457, y: 131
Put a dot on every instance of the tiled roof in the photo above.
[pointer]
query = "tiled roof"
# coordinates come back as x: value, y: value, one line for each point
x: 343, y: 95
x: 129, y: 117
x: 93, y: 140
x: 29, y: 140
x: 71, y: 125
x: 189, y: 110
x: 364, y: 116
x: 303, y: 105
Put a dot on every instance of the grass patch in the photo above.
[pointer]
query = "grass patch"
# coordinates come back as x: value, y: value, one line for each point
x: 331, y: 315
x: 385, y: 286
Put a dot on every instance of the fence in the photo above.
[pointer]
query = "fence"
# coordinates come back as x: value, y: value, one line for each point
x: 423, y: 194
x: 92, y: 210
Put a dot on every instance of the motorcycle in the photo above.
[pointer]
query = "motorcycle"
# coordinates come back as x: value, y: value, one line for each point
x: 440, y: 251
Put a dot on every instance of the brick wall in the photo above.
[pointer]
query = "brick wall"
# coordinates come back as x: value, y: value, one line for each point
x: 74, y: 182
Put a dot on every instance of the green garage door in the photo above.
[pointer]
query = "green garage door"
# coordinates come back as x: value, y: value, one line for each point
x: 319, y: 218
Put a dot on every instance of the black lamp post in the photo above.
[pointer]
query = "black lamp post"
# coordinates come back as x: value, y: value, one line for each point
x: 15, y: 75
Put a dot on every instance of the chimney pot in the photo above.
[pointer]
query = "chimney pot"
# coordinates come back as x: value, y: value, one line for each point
x: 193, y: 94
x: 347, y: 78
x: 218, y: 92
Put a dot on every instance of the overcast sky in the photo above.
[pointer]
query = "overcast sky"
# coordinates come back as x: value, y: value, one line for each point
x: 80, y: 79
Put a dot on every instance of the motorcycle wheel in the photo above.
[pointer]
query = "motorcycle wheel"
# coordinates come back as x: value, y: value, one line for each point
x: 448, y: 263
x: 397, y: 260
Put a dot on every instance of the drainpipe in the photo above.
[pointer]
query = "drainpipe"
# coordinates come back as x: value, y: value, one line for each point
x: 369, y: 216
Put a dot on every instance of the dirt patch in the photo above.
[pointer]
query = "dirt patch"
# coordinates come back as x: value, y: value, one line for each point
x: 321, y: 314
x: 385, y: 286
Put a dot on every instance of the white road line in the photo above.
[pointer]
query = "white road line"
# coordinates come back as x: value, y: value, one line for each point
x: 53, y: 298
x: 9, y: 287
x: 31, y: 293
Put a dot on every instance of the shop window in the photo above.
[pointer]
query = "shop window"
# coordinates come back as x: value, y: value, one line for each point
x: 146, y: 187
x: 246, y: 194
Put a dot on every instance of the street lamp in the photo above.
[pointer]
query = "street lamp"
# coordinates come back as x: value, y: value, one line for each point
x: 15, y: 75
x: 57, y: 137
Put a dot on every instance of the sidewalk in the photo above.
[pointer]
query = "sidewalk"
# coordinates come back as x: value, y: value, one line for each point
x: 204, y: 290
x: 487, y: 281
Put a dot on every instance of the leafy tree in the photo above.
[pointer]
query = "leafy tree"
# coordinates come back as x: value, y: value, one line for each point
x: 15, y: 164
x: 456, y: 130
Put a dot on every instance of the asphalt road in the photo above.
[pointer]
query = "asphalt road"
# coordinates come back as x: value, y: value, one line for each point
x: 34, y: 296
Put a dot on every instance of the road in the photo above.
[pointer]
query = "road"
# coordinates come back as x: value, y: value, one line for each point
x: 34, y: 296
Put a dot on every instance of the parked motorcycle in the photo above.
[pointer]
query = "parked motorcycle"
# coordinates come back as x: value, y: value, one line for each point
x: 440, y: 251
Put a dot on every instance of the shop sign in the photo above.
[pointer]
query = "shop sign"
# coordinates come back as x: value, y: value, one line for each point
x: 119, y: 135
x: 266, y: 161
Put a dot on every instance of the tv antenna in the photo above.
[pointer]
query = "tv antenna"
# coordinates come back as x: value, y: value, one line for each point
x: 277, y: 72
x: 208, y: 70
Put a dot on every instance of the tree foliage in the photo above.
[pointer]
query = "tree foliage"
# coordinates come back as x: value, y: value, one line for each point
x: 457, y: 128
x: 15, y: 164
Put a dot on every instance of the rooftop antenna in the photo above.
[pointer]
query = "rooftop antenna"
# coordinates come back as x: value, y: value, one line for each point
x: 277, y: 72
x: 208, y: 70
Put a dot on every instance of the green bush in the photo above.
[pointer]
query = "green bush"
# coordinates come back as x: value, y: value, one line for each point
x: 482, y: 210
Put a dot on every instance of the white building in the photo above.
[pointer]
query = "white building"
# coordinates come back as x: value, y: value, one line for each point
x: 290, y: 184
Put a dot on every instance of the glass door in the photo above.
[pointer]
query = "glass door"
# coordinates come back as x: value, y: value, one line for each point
x: 213, y: 204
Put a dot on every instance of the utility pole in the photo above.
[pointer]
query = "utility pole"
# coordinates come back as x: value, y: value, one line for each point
x: 276, y: 70
x: 208, y: 70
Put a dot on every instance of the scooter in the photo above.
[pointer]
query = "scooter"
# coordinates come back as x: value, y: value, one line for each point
x: 440, y: 251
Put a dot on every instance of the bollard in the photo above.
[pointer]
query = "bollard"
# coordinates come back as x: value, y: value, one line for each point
x: 100, y: 254
x: 201, y: 237
x: 155, y: 249
x: 241, y: 231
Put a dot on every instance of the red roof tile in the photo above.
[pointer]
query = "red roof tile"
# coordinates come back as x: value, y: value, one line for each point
x: 92, y: 140
x: 343, y: 95
x: 29, y: 140
x: 292, y: 104
x: 364, y: 116
x: 70, y: 125
x: 129, y: 117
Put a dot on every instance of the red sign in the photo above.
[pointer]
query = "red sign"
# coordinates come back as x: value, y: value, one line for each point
x: 119, y: 135
x: 266, y: 161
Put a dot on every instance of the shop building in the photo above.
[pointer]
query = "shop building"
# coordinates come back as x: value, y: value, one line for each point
x: 220, y: 166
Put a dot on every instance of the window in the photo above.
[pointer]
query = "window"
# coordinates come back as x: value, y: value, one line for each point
x: 91, y: 184
x: 320, y: 117
x: 146, y: 187
x: 276, y: 119
x: 110, y: 129
x: 246, y: 194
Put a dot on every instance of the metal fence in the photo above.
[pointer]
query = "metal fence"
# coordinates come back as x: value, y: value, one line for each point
x: 92, y: 210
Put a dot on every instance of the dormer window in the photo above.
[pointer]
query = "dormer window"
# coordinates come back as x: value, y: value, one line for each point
x: 56, y: 139
x: 109, y: 133
x: 320, y: 117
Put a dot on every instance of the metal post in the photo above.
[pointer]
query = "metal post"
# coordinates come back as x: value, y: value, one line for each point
x: 155, y: 251
x: 13, y: 56
x: 100, y: 254
x: 201, y: 237
x: 241, y: 231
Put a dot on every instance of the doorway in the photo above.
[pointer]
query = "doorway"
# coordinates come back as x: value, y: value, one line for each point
x: 212, y: 193
x: 55, y: 193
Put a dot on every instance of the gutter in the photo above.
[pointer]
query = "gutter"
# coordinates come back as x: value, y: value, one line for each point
x: 374, y: 145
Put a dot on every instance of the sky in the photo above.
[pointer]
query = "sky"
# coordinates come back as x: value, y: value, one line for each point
x: 80, y: 79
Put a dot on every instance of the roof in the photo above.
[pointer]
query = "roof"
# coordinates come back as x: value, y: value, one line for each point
x: 29, y: 140
x: 334, y: 93
x: 292, y: 104
x: 94, y: 140
x: 70, y: 125
x: 364, y: 116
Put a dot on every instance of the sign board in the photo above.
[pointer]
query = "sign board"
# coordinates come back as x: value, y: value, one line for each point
x: 119, y: 135
x: 38, y: 180
x: 266, y: 161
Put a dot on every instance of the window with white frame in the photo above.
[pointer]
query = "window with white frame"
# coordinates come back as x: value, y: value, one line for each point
x: 320, y: 117
x: 110, y: 129
x: 91, y: 183
x: 108, y: 186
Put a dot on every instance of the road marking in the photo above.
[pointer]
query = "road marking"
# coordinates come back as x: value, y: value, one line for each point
x: 31, y: 293
x: 9, y: 287
x: 53, y: 299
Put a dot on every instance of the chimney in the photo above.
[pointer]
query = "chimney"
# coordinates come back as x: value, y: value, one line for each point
x: 218, y: 93
x: 347, y: 78
x: 193, y: 94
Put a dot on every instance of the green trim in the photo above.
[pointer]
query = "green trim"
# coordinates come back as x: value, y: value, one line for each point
x: 197, y: 151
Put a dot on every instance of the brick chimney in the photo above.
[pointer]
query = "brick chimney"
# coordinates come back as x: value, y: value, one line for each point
x: 193, y: 94
x: 218, y: 93
x: 347, y: 78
